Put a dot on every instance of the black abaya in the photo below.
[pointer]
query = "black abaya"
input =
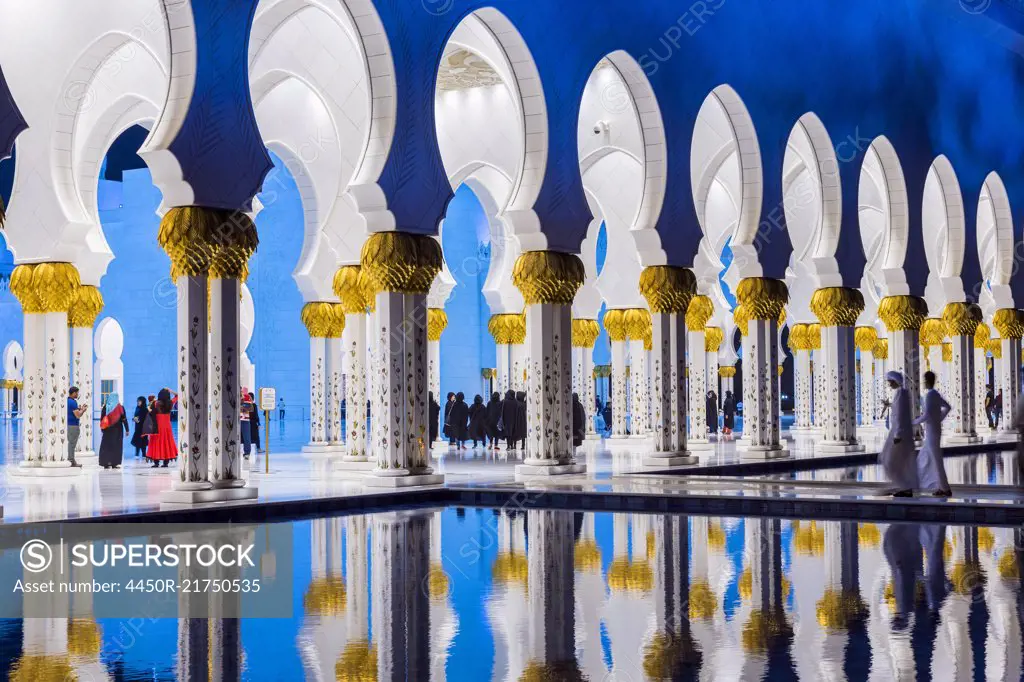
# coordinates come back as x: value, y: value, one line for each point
x: 112, y: 441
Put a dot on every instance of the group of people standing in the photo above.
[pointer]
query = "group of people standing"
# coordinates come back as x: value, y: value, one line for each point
x: 728, y: 413
x: 500, y: 419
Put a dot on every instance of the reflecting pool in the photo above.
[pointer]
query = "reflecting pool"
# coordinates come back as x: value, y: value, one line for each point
x: 514, y: 594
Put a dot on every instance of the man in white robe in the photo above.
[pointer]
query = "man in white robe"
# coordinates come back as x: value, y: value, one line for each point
x: 931, y: 471
x: 897, y: 458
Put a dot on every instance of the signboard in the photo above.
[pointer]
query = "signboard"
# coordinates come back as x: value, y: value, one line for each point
x: 268, y: 399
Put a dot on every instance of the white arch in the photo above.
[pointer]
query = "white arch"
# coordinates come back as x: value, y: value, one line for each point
x: 942, y: 220
x: 14, y: 361
x: 109, y: 345
x: 996, y: 245
x: 812, y: 200
x: 883, y: 220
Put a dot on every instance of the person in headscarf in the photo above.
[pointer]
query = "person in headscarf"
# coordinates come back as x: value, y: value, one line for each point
x: 245, y: 422
x: 112, y: 420
x: 728, y: 414
x: 579, y: 421
x: 162, y: 447
x: 897, y: 458
x: 435, y: 413
x: 478, y: 421
x: 931, y: 471
x: 493, y: 418
x: 139, y: 420
x: 521, y: 418
x: 254, y: 423
x: 712, y: 412
x: 447, y: 430
x: 458, y: 419
x: 510, y: 418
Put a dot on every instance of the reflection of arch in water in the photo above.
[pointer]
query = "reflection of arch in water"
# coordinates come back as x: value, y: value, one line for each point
x: 109, y: 369
x: 10, y: 389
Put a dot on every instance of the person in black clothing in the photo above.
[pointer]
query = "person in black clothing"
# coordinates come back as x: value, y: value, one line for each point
x: 729, y: 414
x: 139, y: 420
x: 435, y: 412
x: 447, y: 414
x: 457, y: 419
x: 254, y: 423
x: 493, y: 416
x: 521, y: 418
x: 712, y: 412
x: 112, y: 420
x: 478, y: 421
x: 579, y: 421
x: 509, y: 418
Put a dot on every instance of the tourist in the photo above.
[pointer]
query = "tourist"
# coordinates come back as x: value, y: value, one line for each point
x: 138, y: 431
x: 447, y: 416
x: 162, y: 447
x: 280, y: 409
x: 112, y: 420
x: 990, y: 409
x: 579, y: 421
x: 245, y: 423
x: 478, y: 421
x: 997, y: 409
x: 458, y: 419
x: 606, y: 414
x: 254, y: 423
x: 493, y: 419
x: 75, y: 411
x: 521, y: 418
x: 712, y: 412
x: 509, y: 418
x: 931, y: 471
x: 435, y: 413
x: 728, y: 414
x: 897, y: 456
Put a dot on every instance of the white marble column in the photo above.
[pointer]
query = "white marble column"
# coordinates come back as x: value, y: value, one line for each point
x: 698, y: 313
x: 56, y: 384
x: 713, y: 337
x: 981, y: 338
x: 615, y: 323
x: 762, y: 301
x: 584, y: 335
x: 85, y: 308
x: 837, y: 309
x: 354, y: 340
x: 1010, y: 325
x: 32, y: 391
x: 817, y: 376
x: 318, y: 317
x: 336, y: 388
x: 961, y: 322
x: 638, y: 389
x: 667, y: 291
x: 551, y: 635
x: 509, y: 332
x: 881, y: 355
x: 866, y: 338
x: 728, y: 374
x: 503, y: 353
x: 548, y: 281
x: 193, y: 401
x: 903, y: 317
x: 437, y: 322
x: 520, y: 366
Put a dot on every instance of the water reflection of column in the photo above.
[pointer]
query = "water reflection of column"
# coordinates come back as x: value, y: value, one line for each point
x: 590, y: 591
x: 225, y: 606
x: 444, y: 623
x: 766, y: 630
x: 703, y: 601
x: 670, y: 654
x: 630, y: 582
x: 402, y: 584
x: 953, y: 654
x: 45, y: 645
x: 551, y: 636
x: 840, y: 611
x: 507, y: 605
x: 84, y: 636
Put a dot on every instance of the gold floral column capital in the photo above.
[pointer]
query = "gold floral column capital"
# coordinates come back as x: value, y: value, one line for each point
x: 321, y: 319
x: 947, y: 352
x: 981, y: 335
x: 234, y: 240
x: 186, y: 235
x: 995, y: 347
x: 21, y: 287
x: 585, y: 333
x: 837, y: 306
x: 881, y: 350
x: 762, y: 298
x: 814, y: 336
x: 961, y: 319
x: 400, y: 262
x: 350, y: 286
x: 1009, y: 322
x: 742, y: 319
x: 437, y: 322
x: 933, y: 331
x: 902, y: 313
x: 638, y: 323
x: 865, y: 338
x: 85, y: 307
x: 667, y: 289
x: 699, y: 312
x: 45, y: 287
x: 726, y: 371
x: 798, y: 337
x: 548, y: 277
x: 508, y: 328
x: 713, y: 338
x: 615, y: 323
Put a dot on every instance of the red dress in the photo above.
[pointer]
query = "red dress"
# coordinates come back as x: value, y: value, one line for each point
x: 161, y: 444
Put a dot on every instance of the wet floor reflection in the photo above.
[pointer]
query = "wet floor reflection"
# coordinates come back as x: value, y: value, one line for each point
x: 475, y: 594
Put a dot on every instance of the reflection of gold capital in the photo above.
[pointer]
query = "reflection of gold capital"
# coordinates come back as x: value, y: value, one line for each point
x: 902, y: 313
x: 84, y: 638
x: 85, y: 307
x: 702, y: 601
x: 400, y: 262
x: 325, y: 597
x: 357, y: 663
x: 585, y: 333
x: 1009, y: 322
x: 667, y: 289
x: 762, y: 298
x: 869, y: 535
x: 588, y: 556
x: 510, y: 567
x: 630, y: 576
x: 548, y: 277
x: 837, y: 306
x: 838, y: 608
x: 699, y: 312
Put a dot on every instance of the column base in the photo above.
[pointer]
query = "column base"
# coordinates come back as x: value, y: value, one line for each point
x: 88, y: 459
x: 317, y: 449
x: 36, y: 470
x: 763, y: 452
x: 544, y: 470
x: 228, y: 484
x: 355, y: 465
x: 838, y: 447
x: 802, y: 430
x: 593, y: 436
x: 440, y: 445
x: 376, y: 480
x: 699, y: 444
x: 671, y: 459
x: 1006, y: 437
x: 961, y: 439
x: 208, y: 496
